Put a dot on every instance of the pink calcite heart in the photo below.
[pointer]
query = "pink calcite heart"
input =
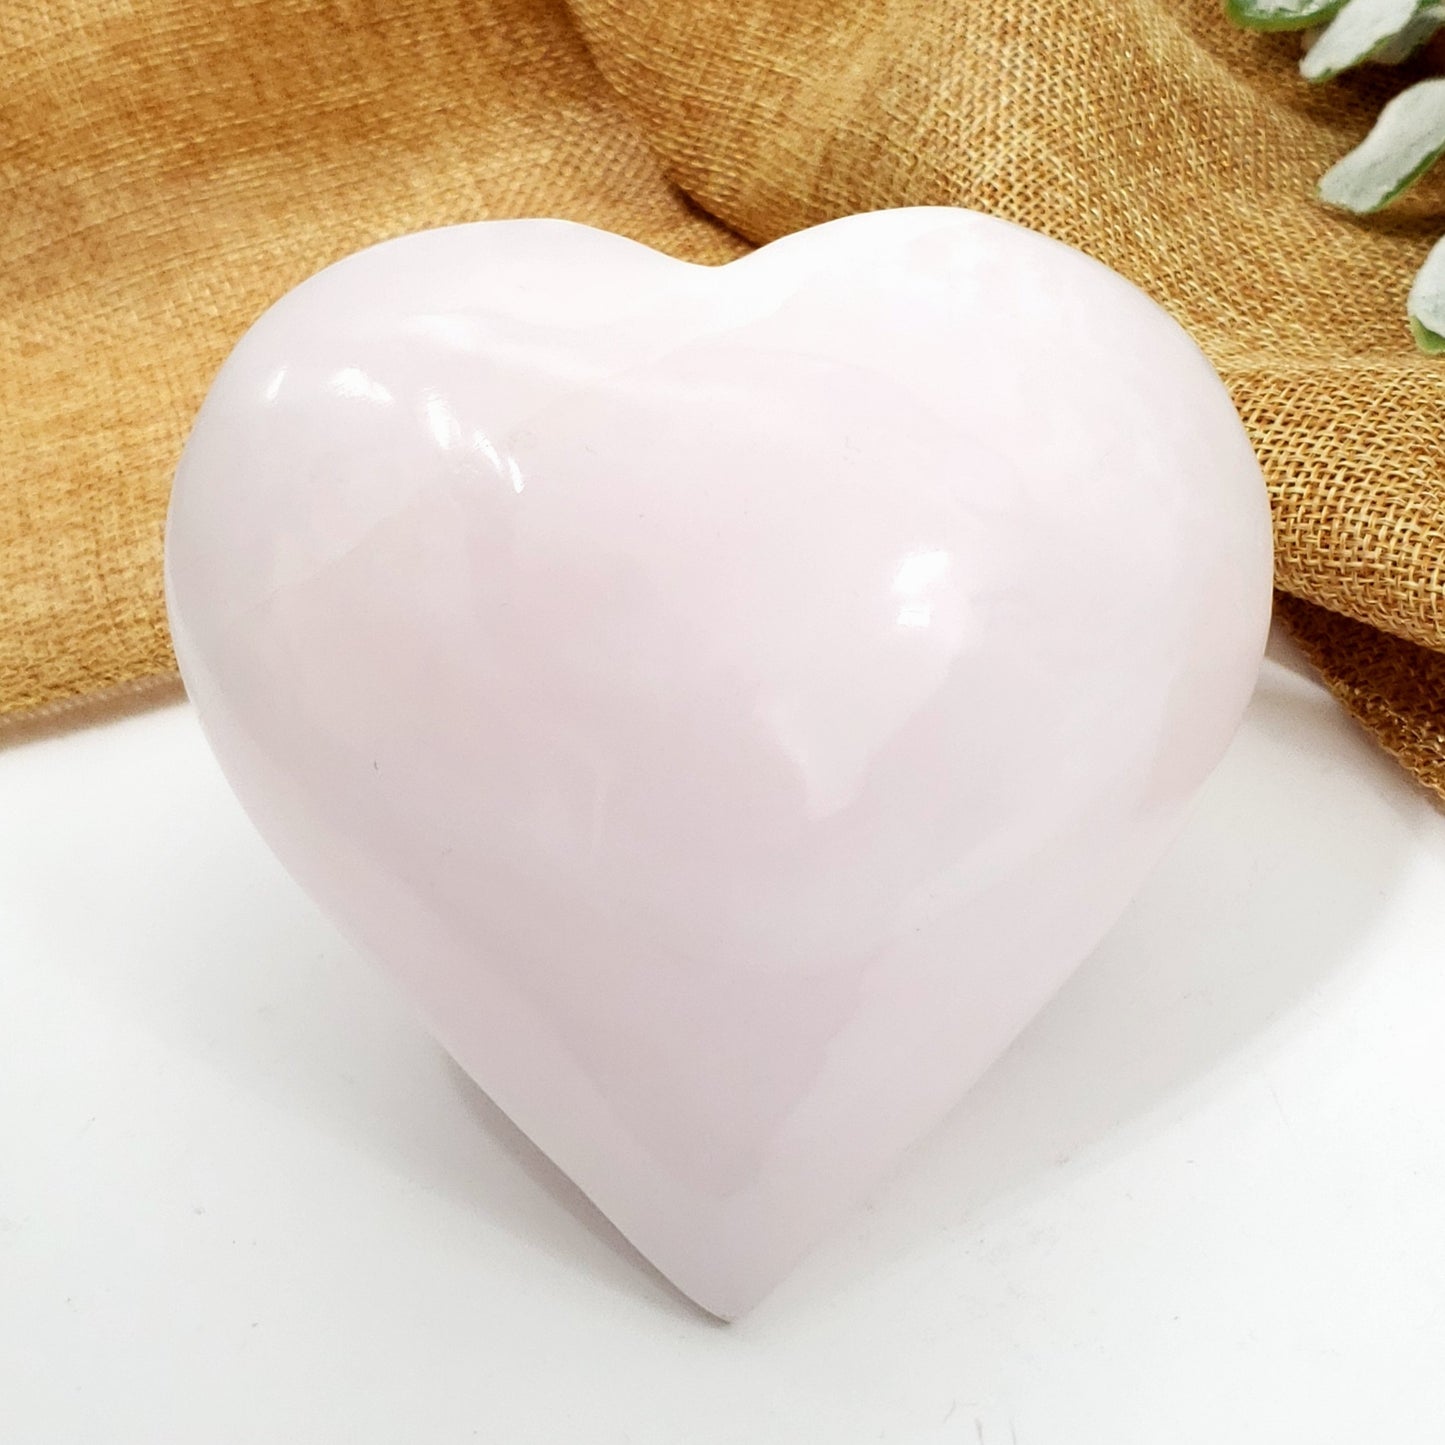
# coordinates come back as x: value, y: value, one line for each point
x: 731, y: 699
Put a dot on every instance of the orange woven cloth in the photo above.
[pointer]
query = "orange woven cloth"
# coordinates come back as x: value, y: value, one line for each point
x: 171, y: 168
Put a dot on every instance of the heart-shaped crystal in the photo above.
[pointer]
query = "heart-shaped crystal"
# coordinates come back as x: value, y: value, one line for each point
x: 731, y: 700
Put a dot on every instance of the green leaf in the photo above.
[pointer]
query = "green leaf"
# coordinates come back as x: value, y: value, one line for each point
x: 1360, y: 30
x: 1427, y: 302
x: 1406, y: 140
x: 1430, y: 342
x: 1402, y: 46
x: 1280, y: 14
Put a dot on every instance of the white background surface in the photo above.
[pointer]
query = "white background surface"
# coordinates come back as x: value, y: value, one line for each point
x: 243, y: 1197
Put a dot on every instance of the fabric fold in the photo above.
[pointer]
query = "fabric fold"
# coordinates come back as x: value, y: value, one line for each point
x: 173, y: 169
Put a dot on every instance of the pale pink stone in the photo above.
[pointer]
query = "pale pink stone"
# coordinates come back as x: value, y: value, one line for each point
x: 731, y: 700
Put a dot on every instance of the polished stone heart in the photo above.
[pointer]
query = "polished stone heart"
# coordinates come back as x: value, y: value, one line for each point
x: 731, y: 700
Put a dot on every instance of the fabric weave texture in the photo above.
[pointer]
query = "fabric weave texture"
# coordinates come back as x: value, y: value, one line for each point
x: 171, y: 167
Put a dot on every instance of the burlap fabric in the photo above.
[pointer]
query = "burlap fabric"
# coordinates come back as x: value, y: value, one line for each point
x: 170, y: 166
